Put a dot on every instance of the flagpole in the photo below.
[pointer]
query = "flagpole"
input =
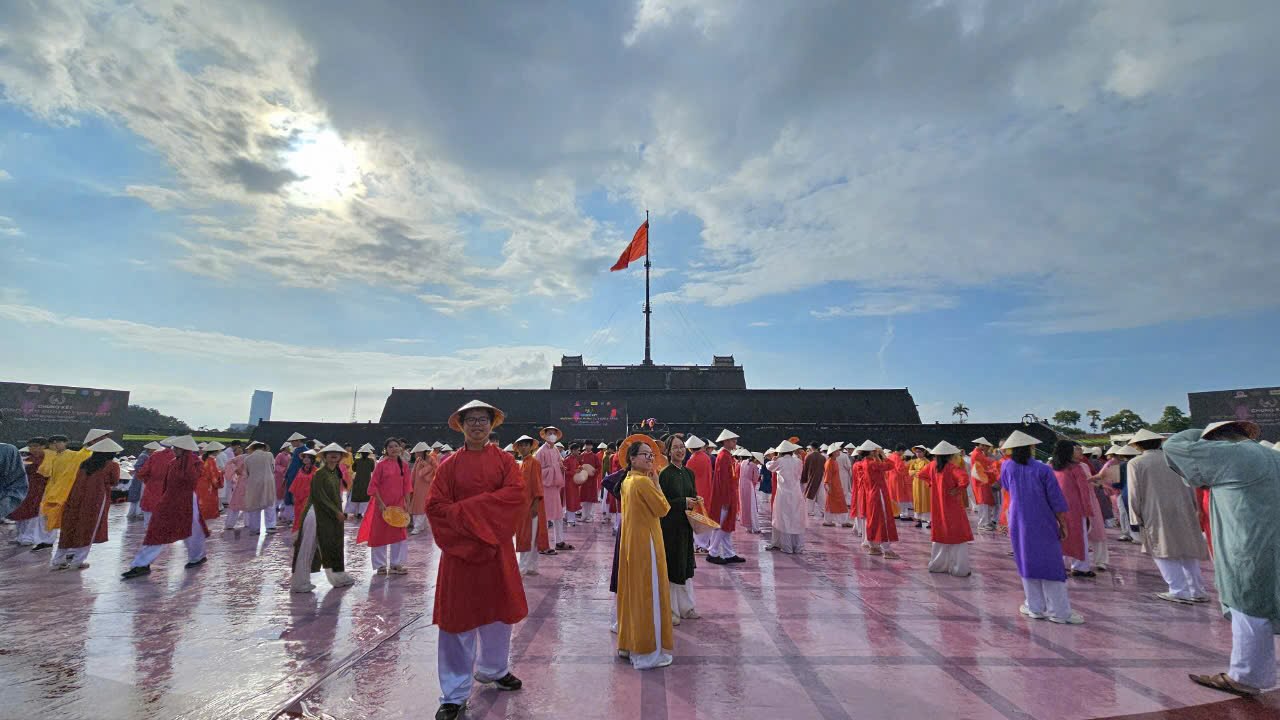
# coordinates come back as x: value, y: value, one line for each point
x: 648, y: 310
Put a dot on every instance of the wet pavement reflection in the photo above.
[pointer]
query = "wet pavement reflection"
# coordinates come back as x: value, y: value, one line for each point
x: 828, y: 634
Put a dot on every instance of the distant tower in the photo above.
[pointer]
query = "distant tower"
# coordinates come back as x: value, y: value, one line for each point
x: 260, y: 407
x: 355, y: 394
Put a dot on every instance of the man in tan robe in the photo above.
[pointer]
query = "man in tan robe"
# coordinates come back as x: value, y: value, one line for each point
x: 1165, y: 509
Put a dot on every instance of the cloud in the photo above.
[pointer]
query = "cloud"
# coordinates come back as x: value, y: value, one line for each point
x: 760, y: 323
x: 885, y: 341
x: 9, y: 228
x: 875, y: 304
x: 405, y: 341
x: 308, y: 384
x: 4, y: 175
x: 1055, y: 151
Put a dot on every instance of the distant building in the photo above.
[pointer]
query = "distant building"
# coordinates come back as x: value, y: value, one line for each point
x: 260, y: 407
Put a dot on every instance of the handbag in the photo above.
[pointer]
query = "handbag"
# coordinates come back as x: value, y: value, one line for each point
x: 699, y: 521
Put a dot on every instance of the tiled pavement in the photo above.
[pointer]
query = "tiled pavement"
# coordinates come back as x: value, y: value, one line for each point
x: 829, y: 634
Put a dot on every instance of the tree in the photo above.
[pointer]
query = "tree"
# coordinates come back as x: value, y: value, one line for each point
x: 1125, y: 421
x: 1070, y: 418
x: 1095, y: 417
x: 961, y: 412
x: 1172, y: 420
x: 141, y: 419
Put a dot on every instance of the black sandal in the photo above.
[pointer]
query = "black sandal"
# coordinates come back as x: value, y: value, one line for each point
x: 1223, y: 682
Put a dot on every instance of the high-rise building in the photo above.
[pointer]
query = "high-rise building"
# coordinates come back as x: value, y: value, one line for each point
x: 260, y: 407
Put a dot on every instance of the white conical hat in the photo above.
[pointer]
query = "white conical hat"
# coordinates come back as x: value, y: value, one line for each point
x: 421, y: 447
x: 740, y: 452
x: 1144, y: 435
x: 455, y: 420
x: 169, y: 440
x: 868, y: 446
x: 367, y: 448
x: 296, y: 436
x: 693, y: 442
x: 1266, y: 443
x: 560, y: 445
x: 1113, y: 450
x: 945, y: 448
x: 95, y: 434
x: 1128, y: 451
x: 310, y: 452
x: 436, y: 445
x: 834, y: 448
x: 982, y: 441
x: 602, y: 446
x: 333, y: 447
x: 522, y: 438
x: 787, y: 446
x: 284, y: 445
x: 1018, y: 439
x: 1276, y: 447
x: 726, y: 435
x: 105, y: 445
x: 153, y: 445
x: 214, y: 446
x: 759, y: 456
x: 445, y: 448
x: 509, y: 448
x: 1250, y: 429
x: 184, y: 442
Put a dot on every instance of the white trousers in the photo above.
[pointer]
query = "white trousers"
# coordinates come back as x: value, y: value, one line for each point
x: 33, y: 532
x: 556, y: 532
x: 1253, y: 651
x: 1099, y: 553
x: 528, y: 561
x: 399, y: 553
x: 70, y: 556
x: 722, y: 542
x: 456, y: 659
x: 231, y: 520
x: 681, y: 599
x: 419, y: 522
x: 253, y: 518
x: 1086, y: 564
x: 950, y: 559
x: 986, y: 515
x: 790, y: 543
x: 147, y: 554
x: 588, y: 512
x: 764, y: 511
x: 1182, y: 576
x: 1047, y: 597
x: 146, y: 519
x: 653, y: 659
x: 307, y: 547
x: 355, y: 508
x: 1122, y: 515
x: 135, y: 509
x: 860, y: 526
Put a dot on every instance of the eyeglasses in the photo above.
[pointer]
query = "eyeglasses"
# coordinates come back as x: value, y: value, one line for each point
x: 644, y: 455
x: 477, y: 420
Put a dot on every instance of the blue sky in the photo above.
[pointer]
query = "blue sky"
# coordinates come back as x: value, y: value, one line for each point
x: 1061, y: 208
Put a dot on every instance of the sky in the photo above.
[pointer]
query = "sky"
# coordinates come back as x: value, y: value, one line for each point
x: 1019, y: 206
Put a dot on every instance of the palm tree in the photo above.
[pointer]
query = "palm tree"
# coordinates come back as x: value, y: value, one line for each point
x: 960, y: 411
x: 1095, y: 417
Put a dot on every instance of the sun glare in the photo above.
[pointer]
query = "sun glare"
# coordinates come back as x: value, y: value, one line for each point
x: 329, y: 168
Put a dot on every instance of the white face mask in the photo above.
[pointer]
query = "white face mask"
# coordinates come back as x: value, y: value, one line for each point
x: 552, y: 438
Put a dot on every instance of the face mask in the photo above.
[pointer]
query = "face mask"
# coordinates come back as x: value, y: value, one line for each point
x: 552, y: 438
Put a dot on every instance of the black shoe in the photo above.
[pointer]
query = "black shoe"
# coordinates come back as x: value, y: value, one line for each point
x: 563, y: 546
x: 508, y: 683
x: 919, y: 524
x: 735, y: 559
x: 134, y: 572
x: 197, y: 563
x: 42, y: 546
x: 546, y: 552
x: 1088, y: 573
x: 717, y: 561
x: 450, y: 711
x: 1126, y: 538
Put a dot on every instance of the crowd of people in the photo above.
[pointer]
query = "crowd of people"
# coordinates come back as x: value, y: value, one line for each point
x: 494, y: 511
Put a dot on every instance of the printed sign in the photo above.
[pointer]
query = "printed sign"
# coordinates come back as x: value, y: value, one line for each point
x: 1260, y: 405
x: 592, y: 419
x: 58, y: 403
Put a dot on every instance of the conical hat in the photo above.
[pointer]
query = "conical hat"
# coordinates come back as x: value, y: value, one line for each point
x: 982, y: 441
x: 95, y: 434
x: 787, y: 446
x: 726, y: 435
x: 522, y: 438
x: 1250, y: 429
x: 759, y: 456
x: 284, y: 445
x: 436, y: 445
x: 1018, y: 439
x: 105, y: 445
x: 333, y: 447
x: 455, y: 420
x: 945, y: 448
x: 296, y: 436
x: 693, y: 442
x: 184, y: 442
x: 445, y: 448
x: 509, y: 448
x: 1128, y: 451
x: 153, y: 445
x: 833, y: 448
x: 1266, y: 444
x: 310, y: 452
x: 1144, y: 435
x: 421, y: 447
x: 659, y: 459
x: 1113, y: 450
x: 543, y: 432
x: 740, y: 452
x: 366, y: 448
x: 869, y: 446
x: 214, y: 446
x: 602, y: 446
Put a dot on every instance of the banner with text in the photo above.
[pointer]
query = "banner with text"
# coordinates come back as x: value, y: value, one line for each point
x: 1260, y: 405
x: 592, y: 419
x: 58, y: 403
